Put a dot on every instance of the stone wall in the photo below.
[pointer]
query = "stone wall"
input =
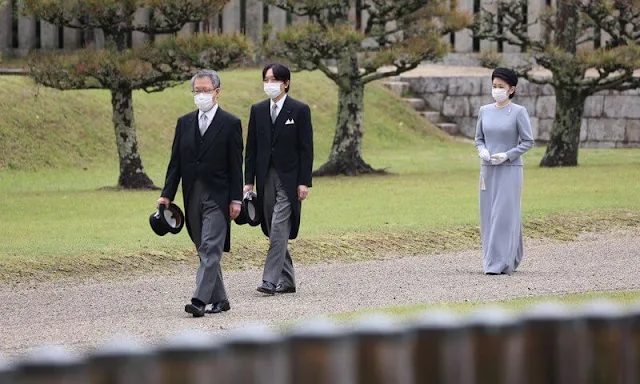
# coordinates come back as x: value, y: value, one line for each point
x: 611, y: 119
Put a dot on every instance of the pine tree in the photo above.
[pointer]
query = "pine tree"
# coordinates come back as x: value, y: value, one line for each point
x: 152, y: 67
x: 383, y: 38
x: 576, y: 73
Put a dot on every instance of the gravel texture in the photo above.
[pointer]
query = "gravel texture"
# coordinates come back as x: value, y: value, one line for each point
x: 84, y: 314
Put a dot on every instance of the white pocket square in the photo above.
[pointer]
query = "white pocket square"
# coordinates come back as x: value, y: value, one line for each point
x: 290, y: 121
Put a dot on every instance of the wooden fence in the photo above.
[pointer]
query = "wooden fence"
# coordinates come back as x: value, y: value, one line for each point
x: 597, y: 344
x: 21, y: 34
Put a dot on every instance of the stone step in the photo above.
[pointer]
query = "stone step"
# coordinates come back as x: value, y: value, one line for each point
x: 432, y: 116
x: 400, y: 88
x: 14, y: 71
x: 417, y: 103
x: 450, y: 128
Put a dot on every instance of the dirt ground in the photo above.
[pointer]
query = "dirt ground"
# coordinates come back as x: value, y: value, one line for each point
x: 84, y: 314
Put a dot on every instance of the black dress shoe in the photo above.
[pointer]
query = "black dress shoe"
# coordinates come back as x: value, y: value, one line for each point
x: 281, y: 288
x: 220, y: 306
x: 194, y: 309
x: 267, y: 288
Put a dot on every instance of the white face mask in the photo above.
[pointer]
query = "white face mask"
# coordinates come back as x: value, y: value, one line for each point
x: 499, y: 95
x: 204, y: 101
x: 272, y: 89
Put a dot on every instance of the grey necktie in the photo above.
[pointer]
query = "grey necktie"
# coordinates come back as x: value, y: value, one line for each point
x: 203, y: 124
x: 274, y: 113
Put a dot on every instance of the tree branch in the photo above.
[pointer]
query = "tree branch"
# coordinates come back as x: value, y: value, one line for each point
x: 538, y: 80
x: 328, y: 72
x: 302, y: 8
x: 620, y: 19
x: 158, y: 85
x: 605, y: 81
x: 524, y: 71
x: 513, y: 19
x: 633, y: 83
x: 324, y: 13
x: 378, y: 15
x: 381, y: 75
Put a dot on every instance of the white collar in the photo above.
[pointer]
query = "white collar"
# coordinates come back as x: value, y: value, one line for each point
x: 210, y: 113
x: 280, y: 103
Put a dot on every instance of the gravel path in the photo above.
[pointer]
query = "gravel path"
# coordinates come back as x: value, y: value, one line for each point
x: 82, y: 315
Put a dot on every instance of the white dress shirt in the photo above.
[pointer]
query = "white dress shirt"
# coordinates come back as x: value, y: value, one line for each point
x: 210, y: 115
x: 280, y: 103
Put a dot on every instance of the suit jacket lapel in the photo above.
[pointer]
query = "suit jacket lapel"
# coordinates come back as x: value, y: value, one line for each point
x: 283, y: 116
x: 264, y: 119
x: 212, y: 131
x: 192, y: 130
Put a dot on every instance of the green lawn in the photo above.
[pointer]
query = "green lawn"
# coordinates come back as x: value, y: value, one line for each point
x: 59, y: 219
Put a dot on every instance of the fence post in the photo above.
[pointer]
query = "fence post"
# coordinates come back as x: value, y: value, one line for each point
x: 122, y: 361
x: 634, y: 342
x: 6, y: 372
x: 231, y: 17
x: 321, y: 353
x: 383, y: 351
x: 440, y: 354
x: 496, y: 346
x: 254, y: 21
x: 6, y: 33
x: 607, y: 328
x: 190, y: 358
x: 553, y: 345
x: 256, y: 355
x: 51, y: 365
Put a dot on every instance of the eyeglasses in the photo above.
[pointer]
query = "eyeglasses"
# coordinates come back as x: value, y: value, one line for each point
x: 207, y: 91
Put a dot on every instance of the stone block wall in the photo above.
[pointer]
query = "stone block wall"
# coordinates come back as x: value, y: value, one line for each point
x: 611, y: 119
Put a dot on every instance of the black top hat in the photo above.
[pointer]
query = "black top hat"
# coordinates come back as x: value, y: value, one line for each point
x: 167, y: 220
x: 249, y: 212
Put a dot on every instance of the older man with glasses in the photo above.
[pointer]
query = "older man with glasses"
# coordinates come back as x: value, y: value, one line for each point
x: 207, y: 156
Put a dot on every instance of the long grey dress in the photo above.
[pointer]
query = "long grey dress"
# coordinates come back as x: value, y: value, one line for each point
x: 507, y: 130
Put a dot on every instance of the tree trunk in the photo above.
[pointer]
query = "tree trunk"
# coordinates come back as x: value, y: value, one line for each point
x: 562, y: 150
x: 346, y: 152
x: 567, y: 24
x: 132, y: 174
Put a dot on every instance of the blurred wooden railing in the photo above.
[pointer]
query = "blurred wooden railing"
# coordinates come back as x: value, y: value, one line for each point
x: 597, y: 343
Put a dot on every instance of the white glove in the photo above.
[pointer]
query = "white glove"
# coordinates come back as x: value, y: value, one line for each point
x: 498, y: 158
x: 484, y: 154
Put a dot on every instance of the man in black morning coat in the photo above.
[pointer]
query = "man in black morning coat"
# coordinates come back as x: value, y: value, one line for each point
x: 279, y: 159
x: 207, y: 156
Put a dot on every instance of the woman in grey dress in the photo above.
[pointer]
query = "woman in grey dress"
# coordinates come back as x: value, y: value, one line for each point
x: 503, y: 134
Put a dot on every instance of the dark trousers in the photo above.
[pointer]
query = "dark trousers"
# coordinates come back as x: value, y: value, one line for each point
x: 209, y: 229
x: 278, y: 267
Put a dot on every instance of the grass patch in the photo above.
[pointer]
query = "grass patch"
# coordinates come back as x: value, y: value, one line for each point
x: 44, y: 128
x: 58, y: 219
x: 517, y: 306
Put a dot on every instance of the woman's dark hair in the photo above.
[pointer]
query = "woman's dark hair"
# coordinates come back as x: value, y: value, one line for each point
x: 280, y: 73
x: 508, y: 76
